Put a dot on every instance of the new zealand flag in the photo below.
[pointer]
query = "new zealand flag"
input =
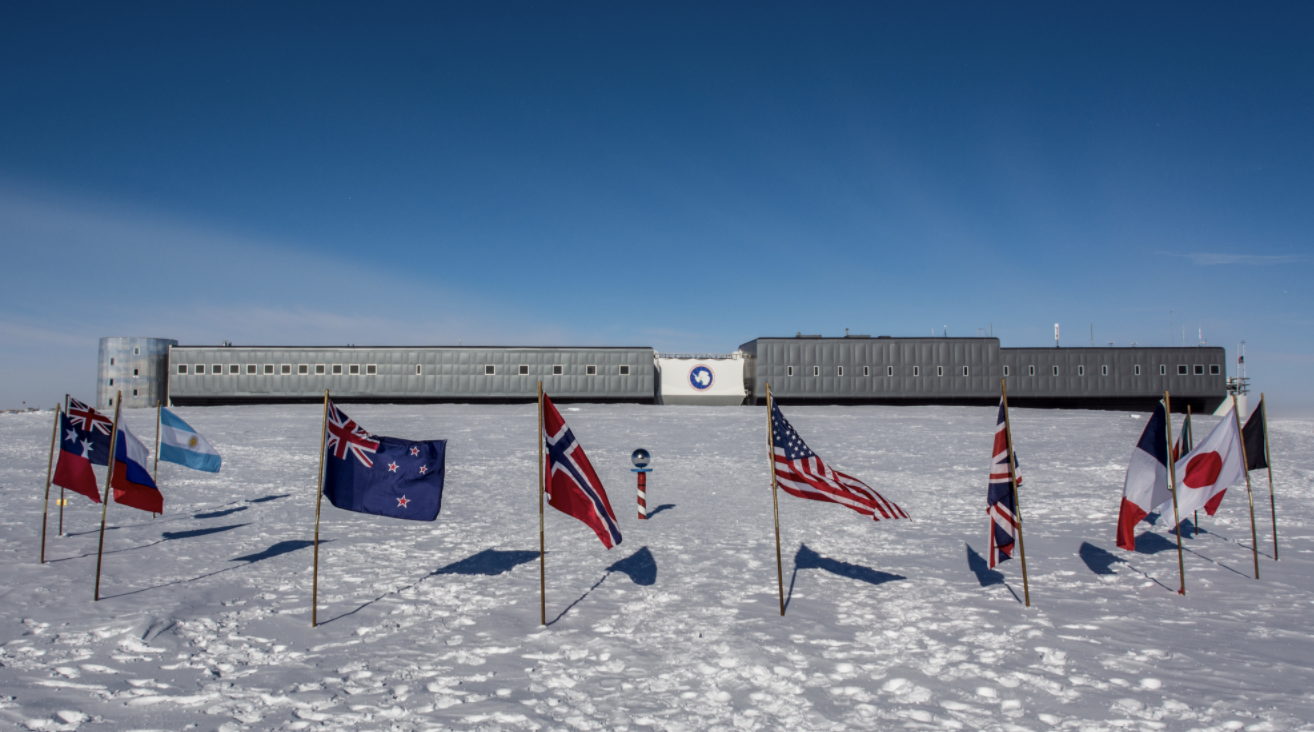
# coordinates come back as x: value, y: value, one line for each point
x: 382, y: 475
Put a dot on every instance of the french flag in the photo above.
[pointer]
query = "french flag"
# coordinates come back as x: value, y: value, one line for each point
x: 1146, y: 486
x: 132, y: 483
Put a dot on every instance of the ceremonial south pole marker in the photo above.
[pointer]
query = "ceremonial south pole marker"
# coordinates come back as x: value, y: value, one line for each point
x: 641, y: 458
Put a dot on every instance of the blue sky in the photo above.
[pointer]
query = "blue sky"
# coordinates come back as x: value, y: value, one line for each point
x: 683, y: 176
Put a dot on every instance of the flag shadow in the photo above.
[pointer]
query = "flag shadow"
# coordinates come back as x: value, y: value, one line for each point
x: 262, y: 499
x: 282, y: 547
x: 218, y: 514
x: 981, y: 568
x: 1099, y: 561
x: 640, y: 567
x: 659, y: 509
x: 171, y: 535
x: 806, y: 558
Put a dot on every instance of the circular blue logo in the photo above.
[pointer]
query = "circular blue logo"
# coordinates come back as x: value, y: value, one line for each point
x: 701, y: 377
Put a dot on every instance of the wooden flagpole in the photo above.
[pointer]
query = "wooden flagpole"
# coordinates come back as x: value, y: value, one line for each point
x: 1017, y: 503
x: 1268, y: 460
x: 105, y: 499
x: 156, y: 470
x: 775, y: 501
x: 319, y: 498
x: 1172, y: 488
x: 61, y: 488
x: 542, y: 545
x: 45, y: 510
x: 1254, y: 541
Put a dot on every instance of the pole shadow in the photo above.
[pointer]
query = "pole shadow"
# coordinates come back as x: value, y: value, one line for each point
x: 171, y: 535
x: 640, y: 567
x: 218, y: 514
x: 262, y: 499
x: 659, y: 509
x: 806, y: 558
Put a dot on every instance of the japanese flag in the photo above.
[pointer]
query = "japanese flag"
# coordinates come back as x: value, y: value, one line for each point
x: 1206, y: 472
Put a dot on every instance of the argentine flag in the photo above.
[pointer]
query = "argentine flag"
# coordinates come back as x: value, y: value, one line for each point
x: 180, y: 444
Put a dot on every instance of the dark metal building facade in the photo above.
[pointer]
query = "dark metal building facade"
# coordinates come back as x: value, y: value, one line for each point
x: 865, y: 370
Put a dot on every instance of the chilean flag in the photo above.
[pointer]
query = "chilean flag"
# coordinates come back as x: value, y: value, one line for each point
x: 76, y: 451
x: 1205, y: 473
x: 132, y: 483
x: 572, y: 485
x: 1146, y: 485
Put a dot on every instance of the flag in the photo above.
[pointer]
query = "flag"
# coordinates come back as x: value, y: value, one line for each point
x: 1205, y: 473
x: 76, y: 451
x: 385, y: 476
x: 801, y: 473
x: 999, y: 495
x: 131, y: 481
x: 1146, y: 485
x: 180, y: 444
x: 1255, y: 435
x: 93, y: 427
x: 571, y: 484
x: 1184, y: 440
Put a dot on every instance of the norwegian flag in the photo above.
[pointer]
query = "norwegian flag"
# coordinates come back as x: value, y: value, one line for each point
x: 999, y: 495
x: 571, y: 483
x: 88, y: 419
x: 344, y: 436
x: 801, y: 473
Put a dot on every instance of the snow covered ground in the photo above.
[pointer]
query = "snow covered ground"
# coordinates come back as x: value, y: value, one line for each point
x: 205, y: 621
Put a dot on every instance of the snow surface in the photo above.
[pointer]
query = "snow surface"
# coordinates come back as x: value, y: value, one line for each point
x: 206, y: 618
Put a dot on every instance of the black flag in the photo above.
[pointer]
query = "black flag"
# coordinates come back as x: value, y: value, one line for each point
x: 1254, y: 434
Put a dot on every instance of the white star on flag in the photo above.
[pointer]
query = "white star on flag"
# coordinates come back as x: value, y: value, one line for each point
x: 392, y: 467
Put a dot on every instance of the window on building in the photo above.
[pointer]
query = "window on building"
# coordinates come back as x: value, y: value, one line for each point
x: 966, y: 372
x: 1215, y: 369
x: 591, y: 370
x: 489, y: 369
x: 319, y: 369
x: 111, y: 362
x: 1104, y: 370
x: 917, y: 370
x: 1031, y: 371
x: 524, y: 369
x: 199, y: 368
x: 1182, y: 370
x: 889, y: 371
x: 624, y: 370
x: 371, y: 369
x: 557, y: 369
x: 1081, y: 370
x: 337, y: 369
x: 1199, y: 369
x: 303, y: 368
x: 839, y: 370
x: 134, y: 392
x: 353, y: 370
x: 866, y: 371
x: 419, y: 370
x: 789, y: 371
x: 1005, y: 371
x: 816, y: 371
x: 136, y: 351
x: 136, y: 372
x: 1136, y: 369
x: 215, y: 369
x: 234, y: 369
x: 111, y: 402
x: 1163, y: 369
x: 111, y: 382
x: 251, y: 368
x: 1056, y: 370
x: 285, y: 369
x: 939, y: 371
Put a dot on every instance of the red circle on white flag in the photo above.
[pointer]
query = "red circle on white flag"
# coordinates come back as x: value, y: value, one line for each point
x: 1203, y: 470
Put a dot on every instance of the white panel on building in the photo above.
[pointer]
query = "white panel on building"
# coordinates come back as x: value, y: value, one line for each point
x: 700, y: 379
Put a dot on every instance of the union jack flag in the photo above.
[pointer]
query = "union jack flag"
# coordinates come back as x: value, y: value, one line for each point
x: 999, y: 495
x: 345, y: 435
x: 571, y: 484
x: 801, y: 473
x: 88, y: 419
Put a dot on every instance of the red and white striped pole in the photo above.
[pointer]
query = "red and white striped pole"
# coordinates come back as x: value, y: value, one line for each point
x: 641, y: 458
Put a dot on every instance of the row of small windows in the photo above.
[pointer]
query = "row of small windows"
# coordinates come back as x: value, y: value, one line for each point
x: 1182, y: 370
x: 352, y: 369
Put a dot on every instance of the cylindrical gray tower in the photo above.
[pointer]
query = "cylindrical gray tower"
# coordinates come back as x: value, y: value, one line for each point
x: 138, y: 367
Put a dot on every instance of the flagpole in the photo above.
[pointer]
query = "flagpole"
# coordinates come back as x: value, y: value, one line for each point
x: 61, y: 488
x: 775, y: 501
x: 1272, y: 502
x: 542, y: 551
x: 1254, y: 541
x: 45, y: 510
x: 1017, y: 503
x: 105, y: 499
x: 1172, y: 488
x: 156, y: 470
x: 319, y: 496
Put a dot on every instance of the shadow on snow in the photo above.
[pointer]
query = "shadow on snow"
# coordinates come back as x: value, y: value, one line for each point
x: 640, y: 567
x: 806, y: 558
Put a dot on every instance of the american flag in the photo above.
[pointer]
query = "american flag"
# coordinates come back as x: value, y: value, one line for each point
x: 999, y: 495
x: 801, y: 473
x: 345, y: 435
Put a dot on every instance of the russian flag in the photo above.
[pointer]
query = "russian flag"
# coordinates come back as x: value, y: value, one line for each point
x: 132, y: 483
